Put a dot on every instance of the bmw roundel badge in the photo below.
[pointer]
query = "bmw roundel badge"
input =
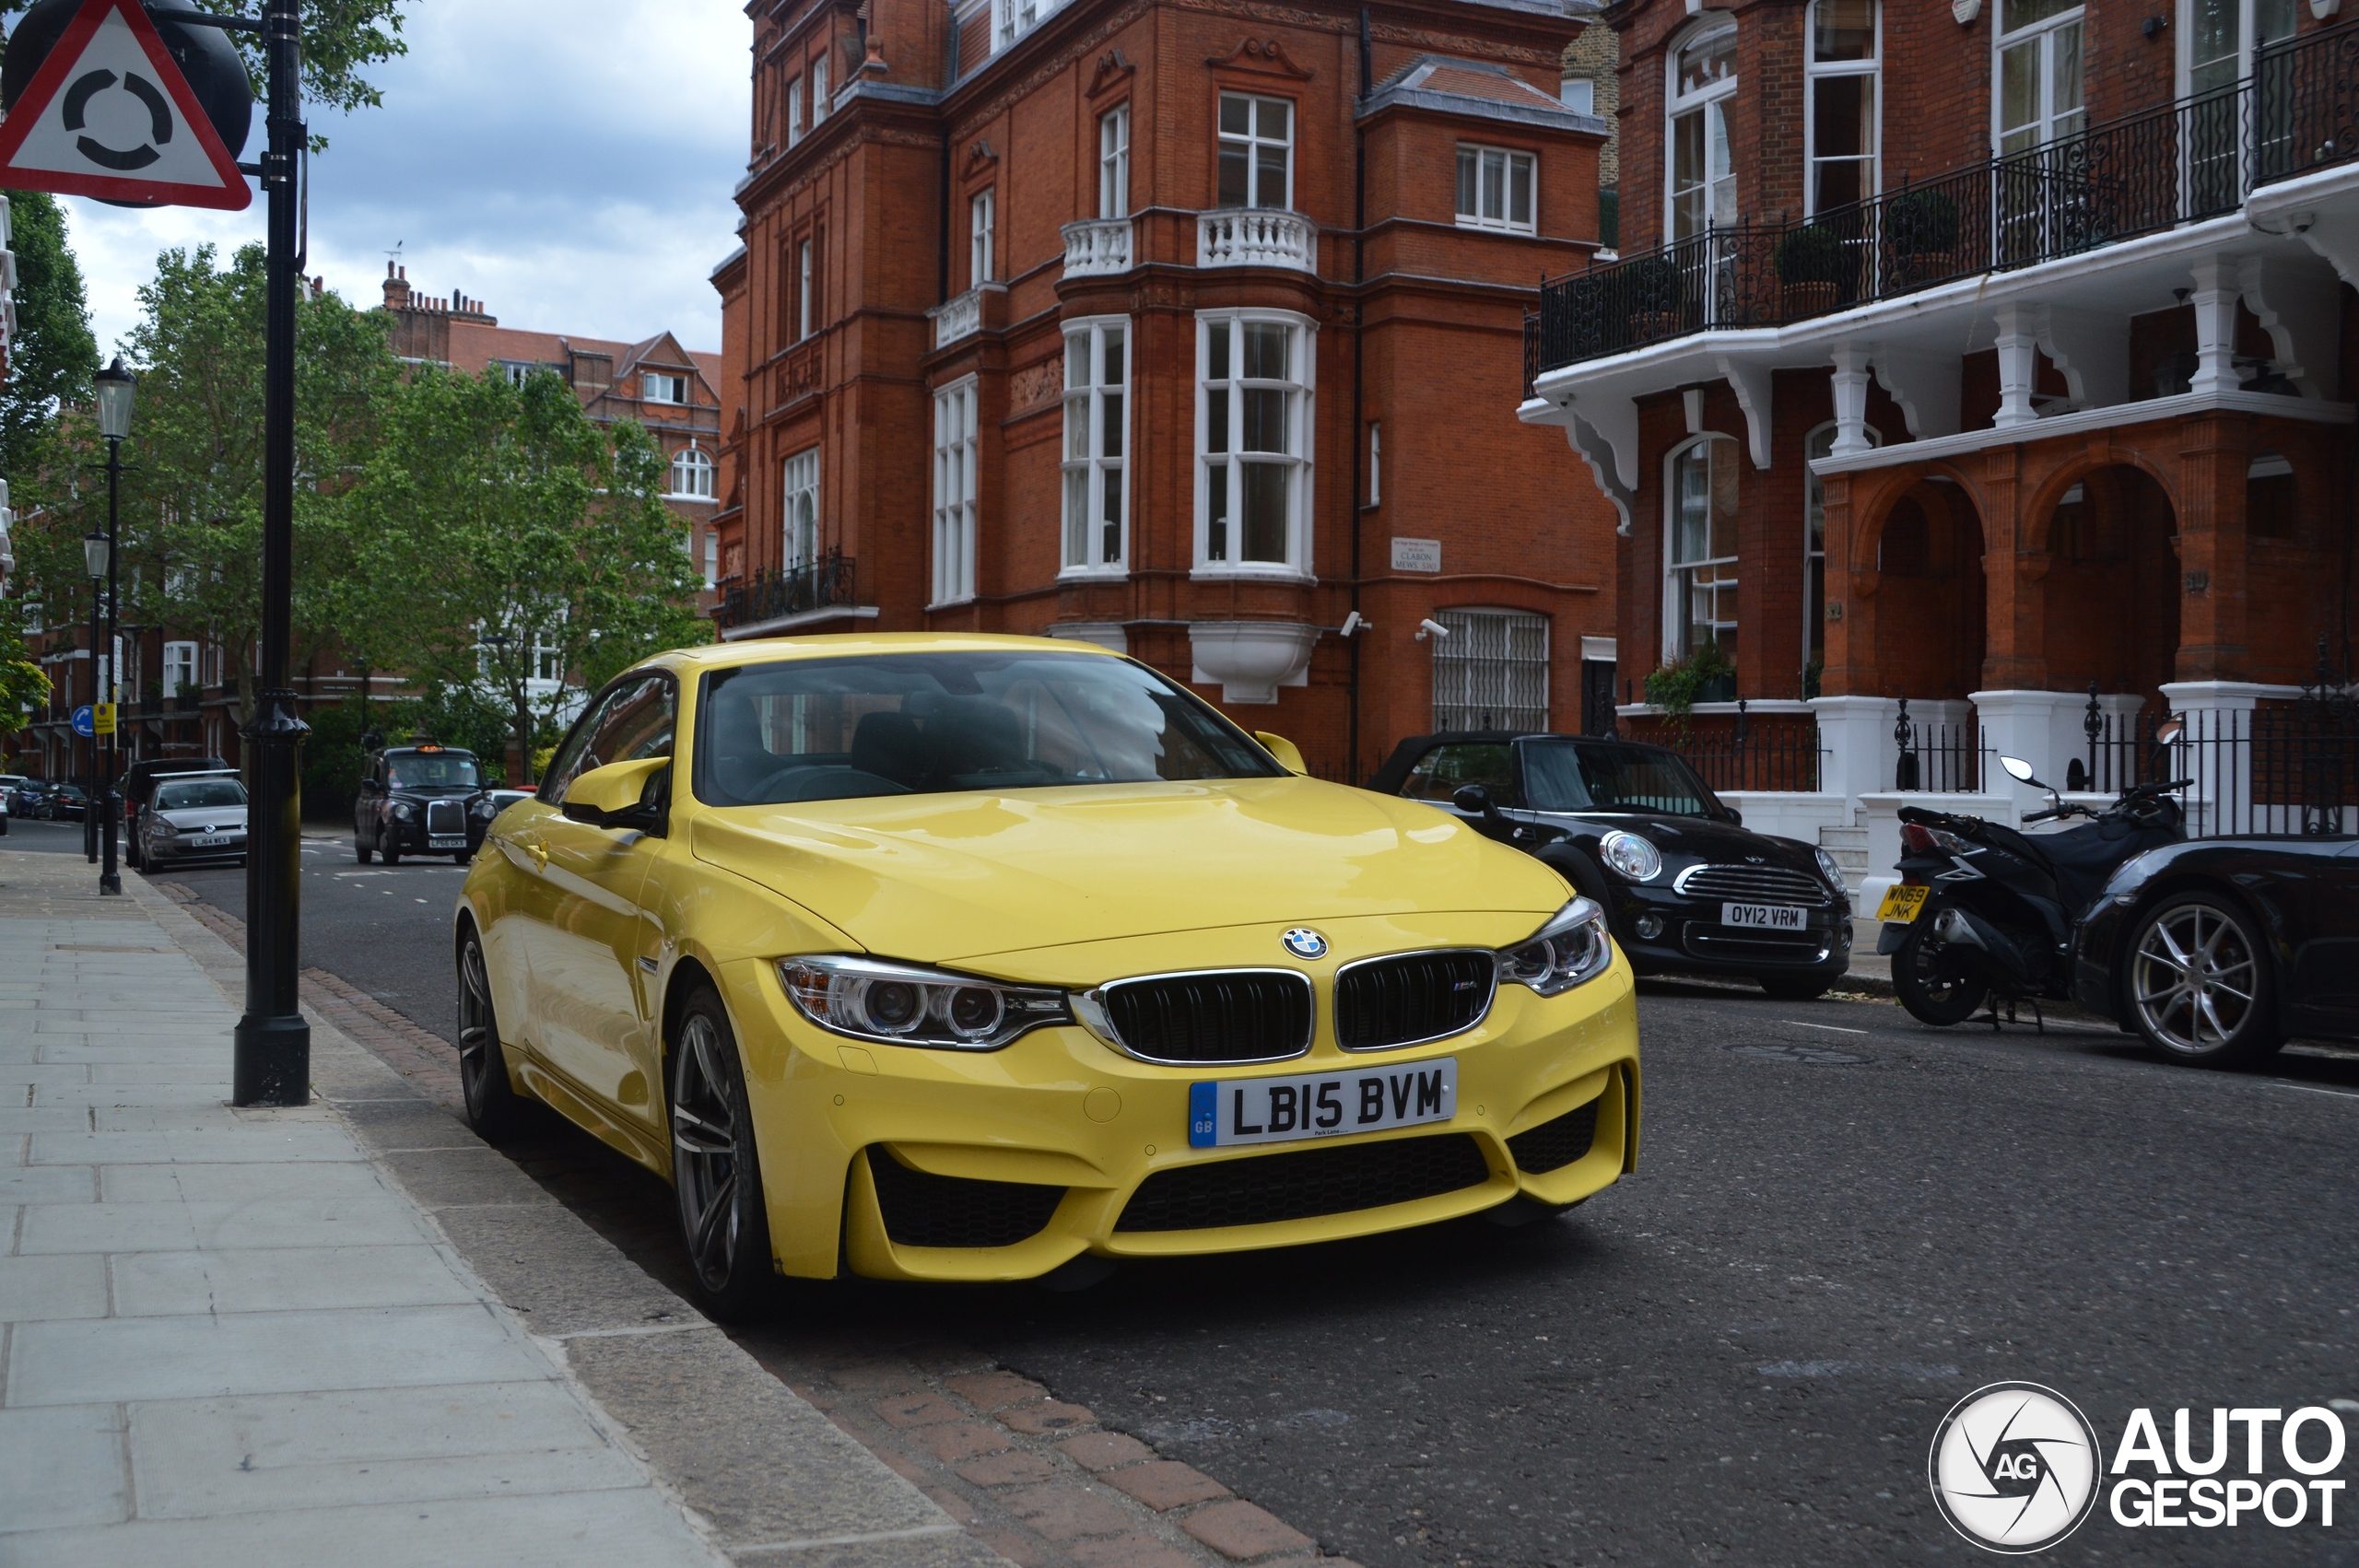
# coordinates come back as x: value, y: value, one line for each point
x: 1304, y: 943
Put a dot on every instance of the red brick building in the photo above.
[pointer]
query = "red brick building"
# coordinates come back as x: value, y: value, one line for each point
x: 1971, y: 354
x: 1184, y: 328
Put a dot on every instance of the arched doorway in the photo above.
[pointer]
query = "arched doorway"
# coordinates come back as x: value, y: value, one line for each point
x: 2111, y: 588
x: 1930, y: 616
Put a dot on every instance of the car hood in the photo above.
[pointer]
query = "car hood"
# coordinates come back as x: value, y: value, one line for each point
x: 214, y: 818
x: 938, y: 878
x: 1688, y: 838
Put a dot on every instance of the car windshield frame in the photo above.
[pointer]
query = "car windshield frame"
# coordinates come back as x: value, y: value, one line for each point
x: 1539, y: 795
x: 950, y: 706
x: 164, y: 803
x: 397, y: 765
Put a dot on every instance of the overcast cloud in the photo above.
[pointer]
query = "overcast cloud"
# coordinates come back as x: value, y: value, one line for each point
x: 567, y: 162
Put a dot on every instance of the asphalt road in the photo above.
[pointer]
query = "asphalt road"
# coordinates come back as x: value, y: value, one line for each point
x: 1842, y: 1222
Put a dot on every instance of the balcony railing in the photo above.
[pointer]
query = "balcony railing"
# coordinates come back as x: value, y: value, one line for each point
x: 958, y: 318
x: 1097, y: 246
x: 1256, y: 237
x: 822, y: 584
x: 2180, y: 162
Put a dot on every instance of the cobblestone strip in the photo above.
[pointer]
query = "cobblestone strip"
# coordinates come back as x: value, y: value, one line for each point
x: 1035, y: 1478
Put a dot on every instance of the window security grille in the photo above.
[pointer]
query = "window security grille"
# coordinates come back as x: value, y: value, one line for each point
x: 1491, y: 672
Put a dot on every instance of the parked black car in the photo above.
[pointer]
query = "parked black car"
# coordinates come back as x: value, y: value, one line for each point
x: 2215, y: 952
x: 420, y: 799
x: 25, y: 799
x: 62, y: 802
x: 139, y: 785
x: 1688, y: 888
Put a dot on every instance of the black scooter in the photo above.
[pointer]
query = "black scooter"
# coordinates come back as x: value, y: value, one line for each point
x: 1984, y: 912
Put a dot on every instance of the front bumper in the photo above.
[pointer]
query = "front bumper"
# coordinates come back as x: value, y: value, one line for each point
x: 1061, y: 1131
x: 177, y: 851
x: 1690, y: 939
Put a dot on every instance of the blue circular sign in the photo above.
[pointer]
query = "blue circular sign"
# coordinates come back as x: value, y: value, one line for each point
x: 1304, y: 943
x: 85, y: 724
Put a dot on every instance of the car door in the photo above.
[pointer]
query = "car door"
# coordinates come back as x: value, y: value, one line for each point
x: 2322, y: 986
x: 586, y: 930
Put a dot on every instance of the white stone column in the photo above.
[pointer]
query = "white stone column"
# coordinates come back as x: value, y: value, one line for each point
x: 1851, y: 381
x: 1858, y: 751
x: 2042, y: 727
x: 2215, y: 750
x: 2217, y: 292
x: 2018, y: 365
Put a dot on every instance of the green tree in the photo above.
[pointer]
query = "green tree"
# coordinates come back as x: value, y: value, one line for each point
x: 192, y: 514
x: 543, y: 556
x: 52, y: 354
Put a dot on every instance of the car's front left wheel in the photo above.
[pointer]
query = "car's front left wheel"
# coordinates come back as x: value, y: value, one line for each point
x: 716, y: 1174
x: 2199, y: 983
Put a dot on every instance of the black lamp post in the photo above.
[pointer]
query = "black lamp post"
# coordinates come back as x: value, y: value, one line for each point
x: 98, y: 553
x: 115, y: 386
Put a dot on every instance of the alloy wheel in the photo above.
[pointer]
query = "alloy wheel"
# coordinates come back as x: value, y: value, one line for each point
x: 482, y: 1068
x: 704, y: 1153
x: 2195, y: 980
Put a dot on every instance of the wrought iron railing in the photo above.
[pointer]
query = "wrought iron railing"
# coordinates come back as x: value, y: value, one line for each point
x: 772, y: 595
x: 1936, y: 756
x: 1744, y: 750
x: 2178, y: 162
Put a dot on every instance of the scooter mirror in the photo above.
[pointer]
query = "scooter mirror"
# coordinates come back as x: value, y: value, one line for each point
x: 2168, y: 730
x: 2018, y: 770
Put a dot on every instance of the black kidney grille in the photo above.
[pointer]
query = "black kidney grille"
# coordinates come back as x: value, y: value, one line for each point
x: 924, y: 1209
x: 1266, y: 1189
x: 1553, y: 1145
x: 1219, y: 1016
x: 1416, y: 996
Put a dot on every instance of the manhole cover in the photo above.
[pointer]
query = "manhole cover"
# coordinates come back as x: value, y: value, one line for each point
x: 1812, y: 1055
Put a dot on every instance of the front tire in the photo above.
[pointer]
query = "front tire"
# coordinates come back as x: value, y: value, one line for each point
x: 360, y: 852
x: 716, y: 1173
x: 2199, y: 985
x: 1935, y: 988
x: 389, y: 844
x: 492, y: 1102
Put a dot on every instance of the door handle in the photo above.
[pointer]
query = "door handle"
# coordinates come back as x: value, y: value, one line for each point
x: 532, y: 844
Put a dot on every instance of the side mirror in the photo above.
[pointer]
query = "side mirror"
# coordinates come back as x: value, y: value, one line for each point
x: 615, y: 795
x: 2170, y: 730
x: 1475, y: 801
x: 2020, y: 771
x: 1735, y: 816
x: 1288, y: 755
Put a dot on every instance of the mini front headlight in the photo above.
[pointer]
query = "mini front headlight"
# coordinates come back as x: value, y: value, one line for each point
x: 901, y: 1005
x: 1630, y: 857
x: 1573, y: 947
x: 1829, y: 870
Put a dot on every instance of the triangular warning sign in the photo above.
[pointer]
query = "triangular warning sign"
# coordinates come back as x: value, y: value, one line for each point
x: 110, y: 114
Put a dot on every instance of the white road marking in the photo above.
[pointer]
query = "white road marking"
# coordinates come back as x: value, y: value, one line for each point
x: 1831, y: 1028
x: 2306, y: 1089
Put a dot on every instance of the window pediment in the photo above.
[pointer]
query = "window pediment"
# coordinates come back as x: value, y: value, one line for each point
x: 1260, y: 56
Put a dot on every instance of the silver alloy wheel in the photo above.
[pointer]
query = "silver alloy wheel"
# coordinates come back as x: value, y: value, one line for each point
x: 704, y: 1153
x: 2194, y: 979
x: 476, y: 1026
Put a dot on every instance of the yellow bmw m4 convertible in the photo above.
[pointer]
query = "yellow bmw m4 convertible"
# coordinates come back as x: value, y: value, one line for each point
x: 948, y: 957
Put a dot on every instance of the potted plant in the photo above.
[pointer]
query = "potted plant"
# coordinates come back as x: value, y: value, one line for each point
x: 1921, y: 228
x: 1809, y: 263
x: 1704, y: 675
x: 1654, y: 289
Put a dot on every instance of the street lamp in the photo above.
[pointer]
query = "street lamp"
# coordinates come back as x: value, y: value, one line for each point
x: 115, y: 386
x: 98, y: 556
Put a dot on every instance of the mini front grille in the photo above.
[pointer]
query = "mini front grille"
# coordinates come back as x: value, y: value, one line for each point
x: 1264, y: 1189
x: 1776, y: 947
x: 1553, y: 1145
x: 1222, y: 1015
x: 445, y: 817
x: 924, y: 1209
x: 1412, y: 997
x: 1764, y: 884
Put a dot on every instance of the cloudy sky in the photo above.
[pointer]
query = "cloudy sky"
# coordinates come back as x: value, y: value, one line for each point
x: 569, y: 162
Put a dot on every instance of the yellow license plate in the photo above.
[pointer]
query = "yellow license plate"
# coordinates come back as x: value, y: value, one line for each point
x: 1902, y: 902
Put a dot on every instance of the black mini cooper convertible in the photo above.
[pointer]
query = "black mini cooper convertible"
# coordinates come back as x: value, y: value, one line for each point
x: 1689, y: 889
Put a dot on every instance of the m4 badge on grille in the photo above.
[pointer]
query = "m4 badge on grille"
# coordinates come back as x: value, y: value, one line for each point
x: 1304, y: 943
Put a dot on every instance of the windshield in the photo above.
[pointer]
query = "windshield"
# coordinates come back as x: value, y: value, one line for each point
x: 438, y: 770
x: 212, y: 793
x: 1604, y: 775
x: 926, y: 723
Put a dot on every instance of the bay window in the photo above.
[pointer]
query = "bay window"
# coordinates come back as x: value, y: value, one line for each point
x: 1702, y: 165
x: 1495, y: 189
x: 1699, y: 560
x: 1253, y: 435
x: 1096, y: 475
x: 953, y: 493
x: 1842, y: 122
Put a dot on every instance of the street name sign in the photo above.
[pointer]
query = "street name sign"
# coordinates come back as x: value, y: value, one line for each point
x: 110, y: 114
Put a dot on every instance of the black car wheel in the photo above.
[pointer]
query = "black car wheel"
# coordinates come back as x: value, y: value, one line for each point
x: 361, y: 852
x: 716, y: 1175
x: 1934, y: 984
x: 492, y: 1101
x: 2199, y: 983
x: 389, y: 842
x: 1794, y: 987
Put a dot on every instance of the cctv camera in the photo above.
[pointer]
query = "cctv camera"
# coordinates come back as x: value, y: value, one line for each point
x: 1431, y: 627
x: 1354, y: 622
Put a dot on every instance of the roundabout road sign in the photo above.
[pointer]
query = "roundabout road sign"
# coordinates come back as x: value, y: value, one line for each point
x: 85, y: 724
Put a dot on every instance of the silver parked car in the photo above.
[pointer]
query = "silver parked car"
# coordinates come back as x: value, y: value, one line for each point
x: 191, y: 819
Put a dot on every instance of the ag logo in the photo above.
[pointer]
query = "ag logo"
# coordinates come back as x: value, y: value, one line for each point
x: 2014, y: 1467
x: 1304, y: 943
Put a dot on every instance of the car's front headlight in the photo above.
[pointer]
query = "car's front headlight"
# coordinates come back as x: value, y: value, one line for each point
x: 403, y: 811
x: 1629, y: 856
x: 1829, y: 870
x: 1573, y: 947
x: 900, y: 1004
x: 485, y: 810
